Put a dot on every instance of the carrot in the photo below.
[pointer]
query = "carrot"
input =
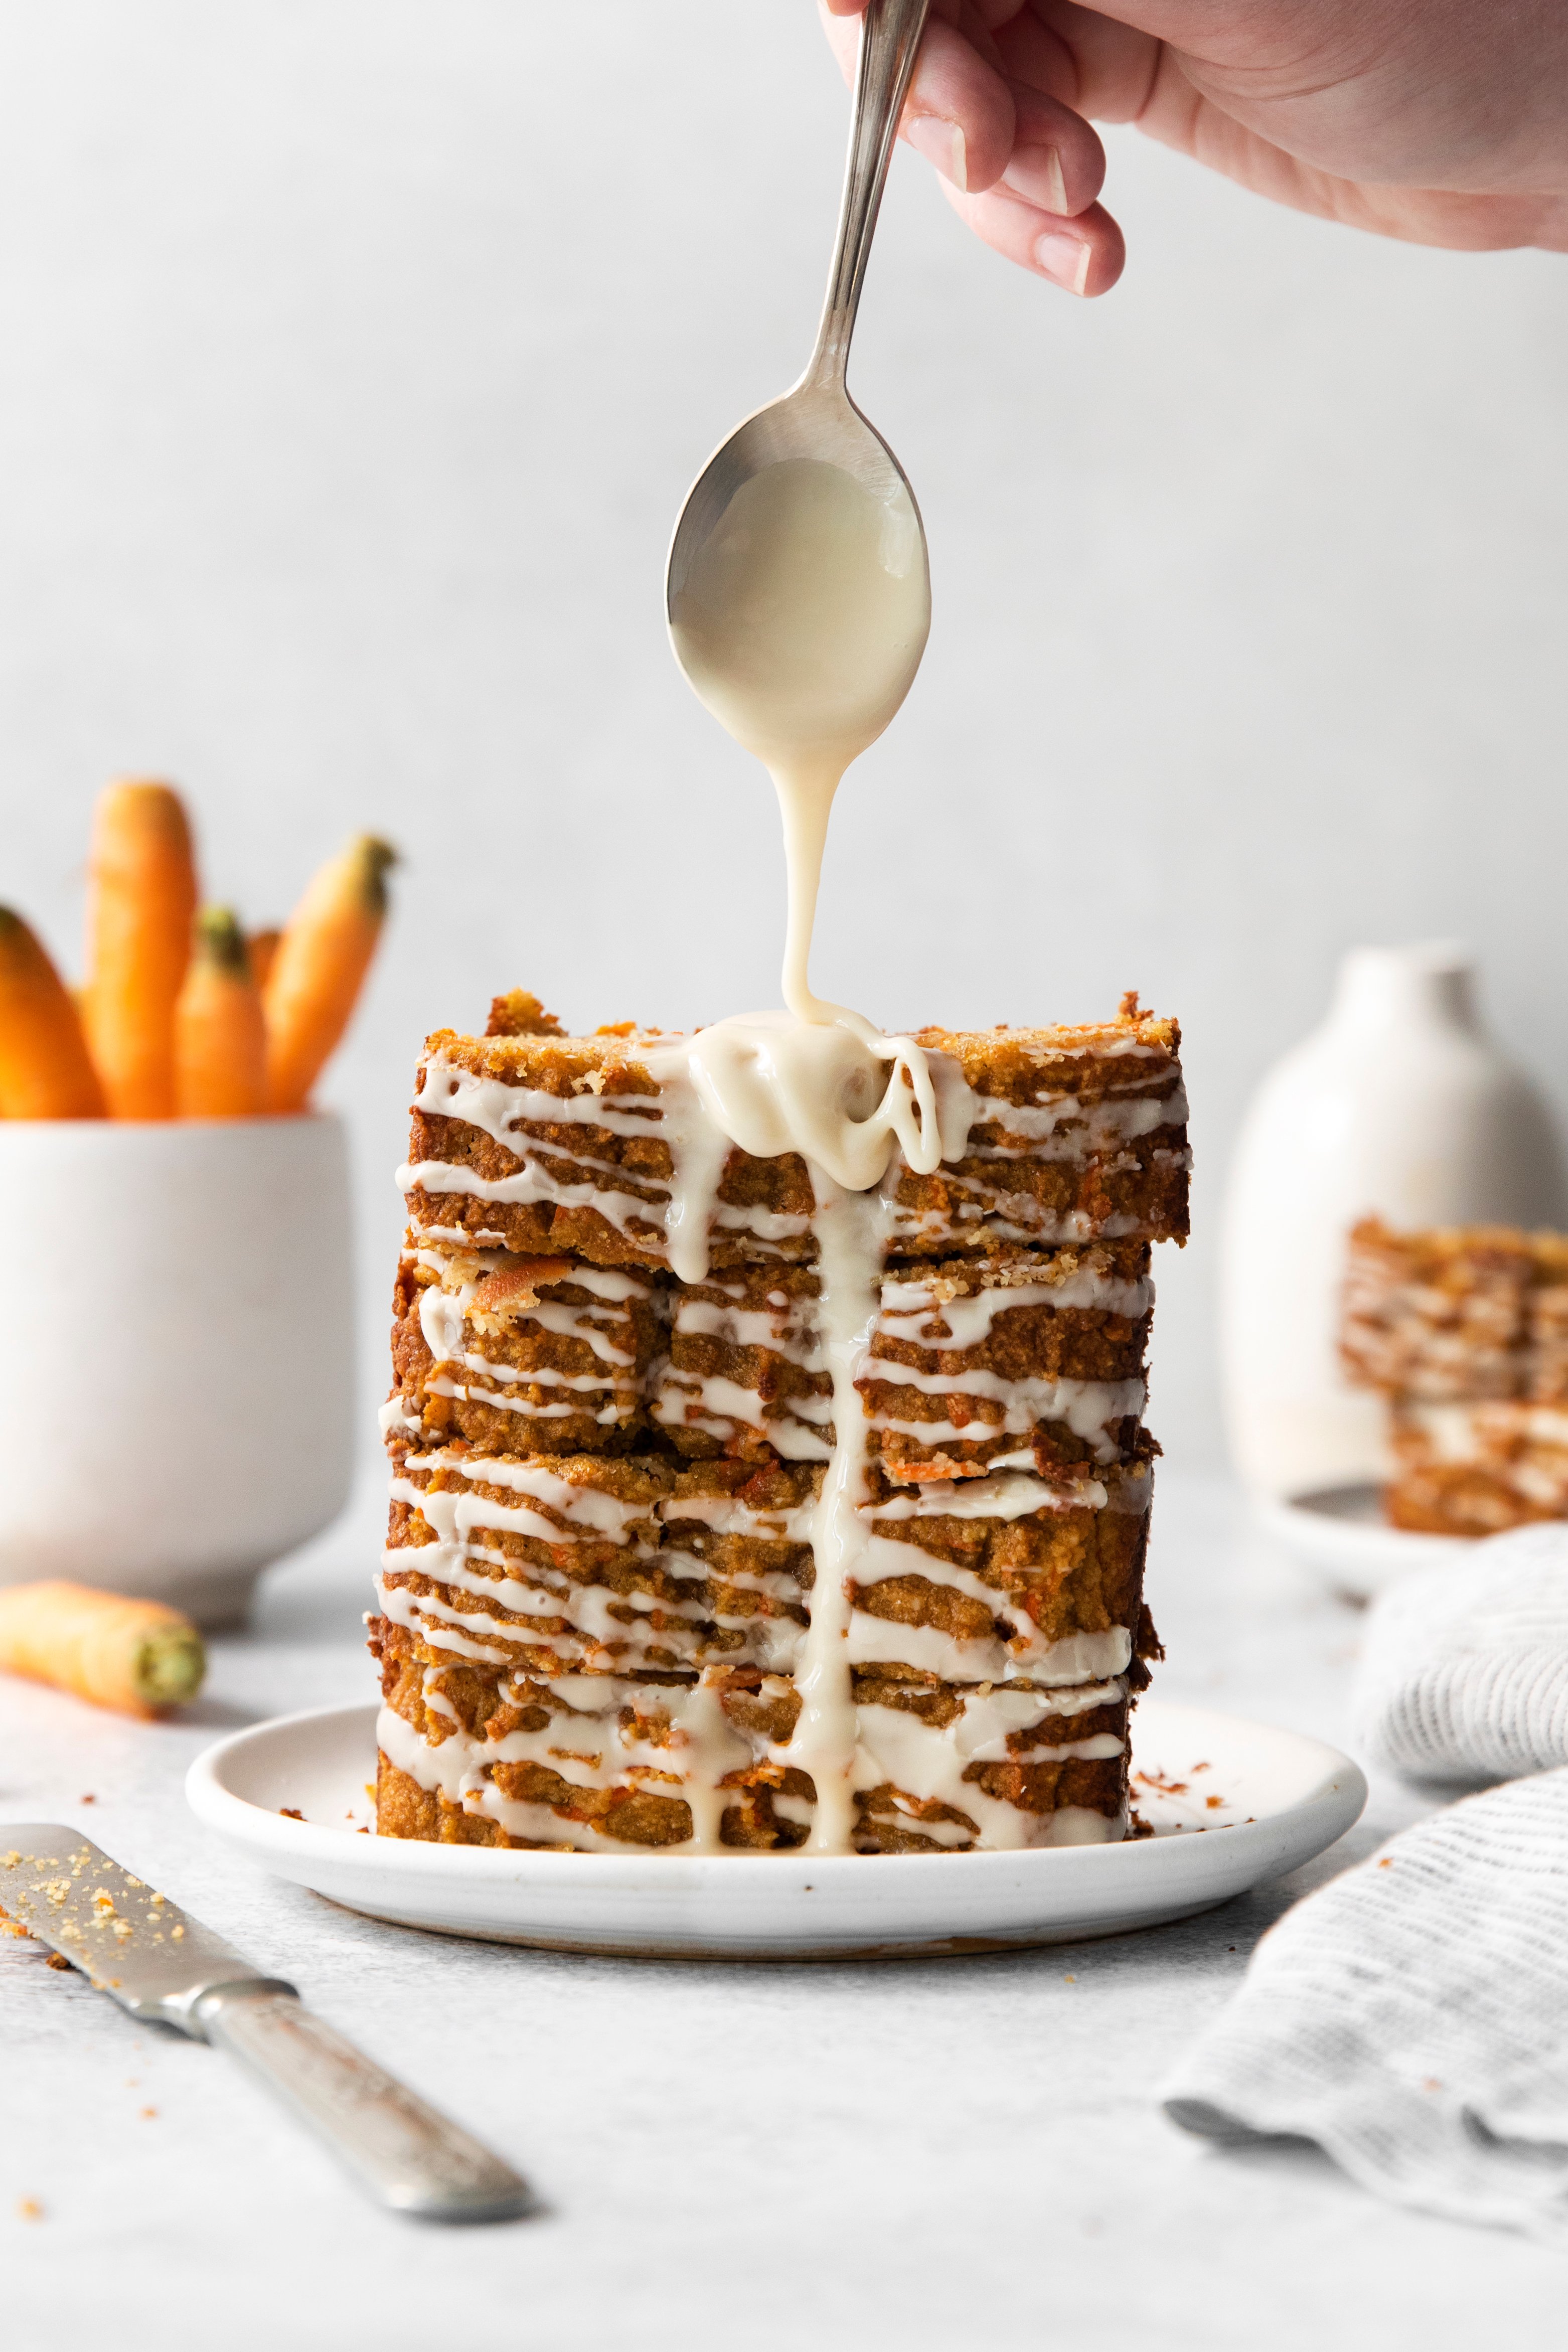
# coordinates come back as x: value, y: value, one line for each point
x: 137, y: 1656
x: 144, y: 894
x: 321, y: 960
x: 220, y: 1035
x: 44, y: 1069
x: 263, y: 951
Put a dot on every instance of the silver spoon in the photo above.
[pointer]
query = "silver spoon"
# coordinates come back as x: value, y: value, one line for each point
x: 818, y: 419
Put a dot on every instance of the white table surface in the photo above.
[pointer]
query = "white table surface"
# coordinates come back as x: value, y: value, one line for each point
x: 961, y: 2153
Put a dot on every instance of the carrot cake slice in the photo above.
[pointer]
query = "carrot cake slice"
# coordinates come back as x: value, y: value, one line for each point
x: 1463, y: 1329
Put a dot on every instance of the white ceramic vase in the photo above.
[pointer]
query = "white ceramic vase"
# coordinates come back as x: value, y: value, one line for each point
x: 1401, y: 1106
x: 176, y: 1354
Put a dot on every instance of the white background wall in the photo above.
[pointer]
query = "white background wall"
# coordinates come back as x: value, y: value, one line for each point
x: 355, y: 356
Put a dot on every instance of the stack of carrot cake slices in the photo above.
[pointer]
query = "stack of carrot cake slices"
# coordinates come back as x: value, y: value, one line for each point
x: 642, y: 1530
x: 1463, y: 1329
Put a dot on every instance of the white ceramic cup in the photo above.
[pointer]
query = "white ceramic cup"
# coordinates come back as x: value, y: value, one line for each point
x: 176, y: 1351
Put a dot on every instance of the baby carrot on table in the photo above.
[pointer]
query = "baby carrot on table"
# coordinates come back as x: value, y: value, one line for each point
x: 136, y: 1656
x: 144, y: 894
x: 321, y: 960
x: 220, y: 1035
x: 44, y: 1069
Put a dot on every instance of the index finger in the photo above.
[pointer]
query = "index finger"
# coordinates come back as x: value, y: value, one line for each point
x: 959, y: 111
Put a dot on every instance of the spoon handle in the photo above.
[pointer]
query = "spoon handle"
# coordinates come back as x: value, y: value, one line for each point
x: 890, y: 34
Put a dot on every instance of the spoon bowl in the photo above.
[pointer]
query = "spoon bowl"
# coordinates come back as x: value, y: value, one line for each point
x: 799, y: 592
x: 817, y: 423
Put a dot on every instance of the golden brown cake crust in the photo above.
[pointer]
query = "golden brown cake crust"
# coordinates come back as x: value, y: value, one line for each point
x: 1141, y: 1054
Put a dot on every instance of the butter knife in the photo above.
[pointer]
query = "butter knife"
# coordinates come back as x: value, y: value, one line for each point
x: 158, y: 1963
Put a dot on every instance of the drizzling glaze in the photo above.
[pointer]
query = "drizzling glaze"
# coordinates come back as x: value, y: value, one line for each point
x: 844, y: 1099
x: 839, y: 1093
x: 801, y: 623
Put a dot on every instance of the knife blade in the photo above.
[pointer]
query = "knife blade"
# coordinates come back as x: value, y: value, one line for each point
x: 163, y: 1966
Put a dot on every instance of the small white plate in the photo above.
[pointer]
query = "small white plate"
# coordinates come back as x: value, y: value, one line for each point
x: 1341, y: 1531
x: 1281, y: 1798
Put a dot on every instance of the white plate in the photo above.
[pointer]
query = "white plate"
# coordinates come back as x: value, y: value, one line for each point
x: 1341, y: 1531
x: 1282, y: 1799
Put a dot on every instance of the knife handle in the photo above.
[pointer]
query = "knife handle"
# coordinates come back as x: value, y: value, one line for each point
x: 409, y: 2157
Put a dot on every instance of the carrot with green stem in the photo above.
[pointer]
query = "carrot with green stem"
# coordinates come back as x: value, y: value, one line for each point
x: 320, y: 965
x: 139, y: 1657
x: 46, y: 1071
x: 220, y: 1034
x: 142, y: 883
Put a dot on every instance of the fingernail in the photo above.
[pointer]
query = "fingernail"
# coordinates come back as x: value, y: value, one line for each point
x: 940, y: 143
x: 1065, y: 259
x: 1035, y: 174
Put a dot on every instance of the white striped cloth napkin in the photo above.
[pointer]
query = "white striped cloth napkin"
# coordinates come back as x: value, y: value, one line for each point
x: 1412, y: 2016
x: 1464, y: 1673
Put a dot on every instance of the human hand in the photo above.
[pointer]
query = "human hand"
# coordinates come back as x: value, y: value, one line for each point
x: 1439, y: 121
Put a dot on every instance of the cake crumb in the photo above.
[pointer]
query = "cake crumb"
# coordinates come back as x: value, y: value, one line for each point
x: 518, y: 1014
x: 28, y: 2210
x: 292, y: 1813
